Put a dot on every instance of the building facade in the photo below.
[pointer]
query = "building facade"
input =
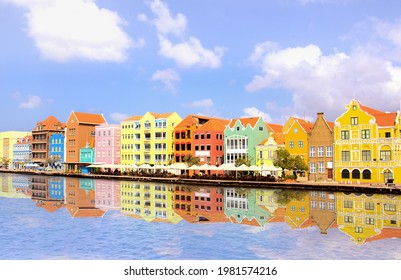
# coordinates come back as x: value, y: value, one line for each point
x: 41, y: 139
x: 148, y: 139
x: 56, y: 149
x: 108, y: 143
x: 367, y: 145
x: 80, y: 130
x: 320, y: 142
x: 7, y: 141
x: 241, y: 136
x: 22, y: 152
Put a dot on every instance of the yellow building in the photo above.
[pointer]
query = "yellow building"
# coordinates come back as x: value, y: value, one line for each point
x: 7, y: 141
x: 296, y: 133
x: 266, y: 151
x: 365, y: 216
x: 367, y: 145
x: 148, y: 138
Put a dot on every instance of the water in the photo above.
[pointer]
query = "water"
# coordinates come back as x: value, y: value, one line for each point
x: 43, y: 218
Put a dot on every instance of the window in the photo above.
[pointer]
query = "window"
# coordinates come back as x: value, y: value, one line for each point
x: 345, y: 155
x: 356, y: 174
x: 312, y: 151
x: 322, y: 205
x: 385, y: 155
x: 314, y: 204
x: 348, y: 204
x: 292, y: 208
x: 321, y: 167
x: 348, y: 219
x: 358, y: 229
x: 366, y: 174
x: 345, y: 174
x: 365, y: 134
x: 344, y: 134
x: 208, y: 136
x: 388, y: 134
x: 320, y: 151
x: 291, y: 144
x: 366, y: 155
x: 313, y: 167
x: 389, y: 207
x: 329, y: 151
x: 300, y: 144
x: 331, y: 205
x: 354, y: 120
x: 369, y: 206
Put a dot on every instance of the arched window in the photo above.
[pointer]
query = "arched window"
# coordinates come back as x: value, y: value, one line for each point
x: 345, y: 174
x: 356, y: 174
x: 366, y: 174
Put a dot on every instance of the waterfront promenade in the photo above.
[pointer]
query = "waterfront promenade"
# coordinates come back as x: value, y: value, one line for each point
x: 229, y: 182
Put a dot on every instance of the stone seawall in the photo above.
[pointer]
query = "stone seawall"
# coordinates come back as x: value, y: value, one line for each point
x: 307, y: 185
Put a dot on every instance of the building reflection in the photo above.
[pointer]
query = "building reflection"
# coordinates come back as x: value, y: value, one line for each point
x: 363, y: 217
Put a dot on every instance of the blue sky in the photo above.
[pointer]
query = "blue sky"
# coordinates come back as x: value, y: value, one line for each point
x: 229, y: 59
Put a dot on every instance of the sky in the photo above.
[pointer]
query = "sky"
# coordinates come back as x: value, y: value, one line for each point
x: 226, y: 59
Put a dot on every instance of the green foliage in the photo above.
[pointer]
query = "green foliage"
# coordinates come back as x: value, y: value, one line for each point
x: 283, y: 197
x: 285, y: 160
x: 241, y: 161
x: 191, y: 160
x: 4, y: 162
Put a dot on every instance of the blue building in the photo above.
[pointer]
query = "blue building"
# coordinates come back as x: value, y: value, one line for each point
x: 86, y: 155
x: 56, y: 188
x: 56, y: 149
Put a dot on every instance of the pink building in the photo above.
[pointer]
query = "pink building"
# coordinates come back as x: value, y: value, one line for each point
x: 107, y: 141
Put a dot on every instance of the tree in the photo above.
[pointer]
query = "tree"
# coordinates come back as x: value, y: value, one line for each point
x: 243, y: 160
x: 285, y: 160
x: 191, y: 160
x: 4, y: 162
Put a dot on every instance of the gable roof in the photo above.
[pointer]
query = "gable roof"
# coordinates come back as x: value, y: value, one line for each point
x: 274, y: 127
x: 197, y: 120
x: 252, y: 121
x: 161, y: 116
x: 305, y: 125
x: 382, y: 118
x: 214, y: 124
x: 89, y: 118
x: 132, y: 118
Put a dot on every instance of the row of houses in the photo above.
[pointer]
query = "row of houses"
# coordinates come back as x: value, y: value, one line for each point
x: 362, y: 145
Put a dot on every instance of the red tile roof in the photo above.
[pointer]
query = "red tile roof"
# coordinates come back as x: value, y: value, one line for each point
x: 382, y: 118
x: 245, y: 121
x: 214, y: 124
x: 133, y: 118
x: 274, y: 127
x: 51, y: 123
x: 89, y: 118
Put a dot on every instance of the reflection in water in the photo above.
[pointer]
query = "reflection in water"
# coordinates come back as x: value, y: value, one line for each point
x: 363, y: 217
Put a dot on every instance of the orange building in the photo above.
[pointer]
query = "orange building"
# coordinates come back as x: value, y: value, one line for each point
x: 80, y: 131
x: 195, y: 128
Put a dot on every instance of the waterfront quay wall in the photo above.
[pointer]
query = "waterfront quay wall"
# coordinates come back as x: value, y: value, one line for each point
x: 226, y: 183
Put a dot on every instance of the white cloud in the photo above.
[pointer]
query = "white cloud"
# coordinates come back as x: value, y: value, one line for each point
x: 255, y: 112
x: 202, y: 103
x: 31, y: 102
x: 326, y: 83
x: 168, y: 77
x: 76, y: 29
x: 118, y: 117
x: 191, y: 53
x: 188, y: 51
x: 166, y: 23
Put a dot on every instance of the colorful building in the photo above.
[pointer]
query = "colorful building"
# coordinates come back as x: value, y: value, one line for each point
x: 296, y: 132
x: 7, y: 141
x: 320, y: 143
x: 266, y: 150
x: 208, y: 142
x: 108, y: 194
x: 241, y: 137
x: 367, y: 145
x: 190, y: 134
x: 108, y: 143
x: 22, y: 153
x: 80, y: 130
x: 57, y: 147
x: 148, y: 139
x: 41, y: 139
x: 323, y: 210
